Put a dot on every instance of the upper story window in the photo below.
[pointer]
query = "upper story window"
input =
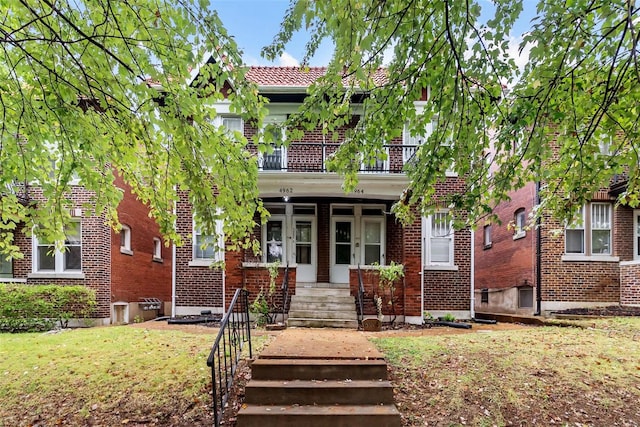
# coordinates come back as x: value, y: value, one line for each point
x: 590, y: 233
x: 232, y: 124
x: 157, y: 249
x: 439, y: 235
x: 412, y: 142
x: 276, y: 156
x: 207, y: 248
x: 520, y: 223
x: 47, y: 258
x: 488, y: 243
x: 125, y: 240
x: 378, y: 164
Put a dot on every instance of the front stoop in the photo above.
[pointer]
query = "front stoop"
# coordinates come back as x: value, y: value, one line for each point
x: 318, y: 393
x: 323, y: 305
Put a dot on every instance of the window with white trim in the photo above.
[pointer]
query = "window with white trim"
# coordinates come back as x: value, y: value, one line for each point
x: 69, y: 259
x: 411, y: 142
x: 520, y: 222
x: 487, y: 236
x: 208, y: 247
x: 440, y: 234
x: 6, y: 267
x: 273, y: 247
x: 232, y: 124
x: 125, y: 240
x: 591, y: 232
x: 157, y: 249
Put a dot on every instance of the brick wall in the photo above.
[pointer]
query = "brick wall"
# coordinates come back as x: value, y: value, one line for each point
x: 574, y: 281
x: 96, y: 251
x: 138, y: 275
x: 630, y: 284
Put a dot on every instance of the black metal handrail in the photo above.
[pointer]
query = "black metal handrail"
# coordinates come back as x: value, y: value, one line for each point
x: 360, y: 296
x: 285, y: 291
x: 235, y: 330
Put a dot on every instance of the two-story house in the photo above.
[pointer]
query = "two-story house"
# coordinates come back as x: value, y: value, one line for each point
x: 130, y: 270
x: 322, y: 234
x: 531, y: 268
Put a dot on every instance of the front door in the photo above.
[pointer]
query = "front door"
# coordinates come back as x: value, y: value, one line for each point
x: 342, y: 254
x: 305, y: 249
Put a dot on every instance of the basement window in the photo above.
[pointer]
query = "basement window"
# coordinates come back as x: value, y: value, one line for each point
x: 525, y: 297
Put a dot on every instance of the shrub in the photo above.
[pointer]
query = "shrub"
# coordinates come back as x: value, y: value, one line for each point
x: 28, y: 308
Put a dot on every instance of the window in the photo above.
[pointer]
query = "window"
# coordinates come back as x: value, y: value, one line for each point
x: 377, y: 164
x: 6, y: 267
x: 484, y: 296
x: 520, y: 221
x: 525, y: 297
x: 157, y: 249
x: 412, y: 142
x: 125, y: 240
x: 440, y: 239
x: 590, y: 233
x: 48, y: 259
x: 487, y: 236
x: 273, y: 239
x: 232, y: 124
x: 276, y: 157
x: 208, y: 248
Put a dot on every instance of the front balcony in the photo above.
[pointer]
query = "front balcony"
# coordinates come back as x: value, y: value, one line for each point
x: 312, y: 157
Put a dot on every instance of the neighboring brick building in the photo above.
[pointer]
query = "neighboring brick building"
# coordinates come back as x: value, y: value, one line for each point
x: 320, y: 232
x: 528, y: 269
x: 123, y: 268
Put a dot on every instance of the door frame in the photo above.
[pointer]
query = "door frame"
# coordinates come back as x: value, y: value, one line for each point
x: 301, y: 269
x: 339, y: 273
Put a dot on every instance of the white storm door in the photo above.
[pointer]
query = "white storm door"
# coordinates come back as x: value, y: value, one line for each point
x: 305, y: 249
x: 342, y: 254
x: 373, y: 234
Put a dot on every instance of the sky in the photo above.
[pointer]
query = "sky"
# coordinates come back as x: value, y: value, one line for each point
x: 253, y: 23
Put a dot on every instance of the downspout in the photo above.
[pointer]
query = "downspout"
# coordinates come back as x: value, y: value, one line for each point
x: 473, y: 275
x: 538, y: 271
x: 173, y: 277
x: 422, y: 239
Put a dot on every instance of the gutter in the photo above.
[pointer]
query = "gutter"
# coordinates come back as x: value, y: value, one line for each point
x: 538, y: 271
x: 473, y: 276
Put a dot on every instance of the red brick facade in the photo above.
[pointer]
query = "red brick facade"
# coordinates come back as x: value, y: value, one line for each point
x: 114, y: 276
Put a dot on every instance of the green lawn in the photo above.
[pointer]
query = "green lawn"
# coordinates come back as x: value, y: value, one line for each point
x: 538, y: 376
x: 109, y: 375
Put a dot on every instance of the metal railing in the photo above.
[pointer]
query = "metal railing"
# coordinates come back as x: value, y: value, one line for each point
x: 360, y: 296
x: 313, y: 157
x: 285, y: 291
x: 235, y: 330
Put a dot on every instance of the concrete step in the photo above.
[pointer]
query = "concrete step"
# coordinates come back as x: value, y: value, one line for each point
x: 322, y: 323
x: 322, y: 314
x: 319, y: 416
x: 323, y: 299
x: 319, y: 392
x: 323, y: 292
x: 318, y: 369
x: 321, y: 306
x: 322, y: 285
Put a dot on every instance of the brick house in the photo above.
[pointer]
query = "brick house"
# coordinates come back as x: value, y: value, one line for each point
x: 124, y: 269
x: 524, y: 269
x: 322, y: 234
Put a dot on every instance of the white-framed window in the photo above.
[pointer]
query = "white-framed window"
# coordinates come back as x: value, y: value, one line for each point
x: 157, y: 249
x: 591, y: 231
x: 373, y: 240
x: 520, y: 223
x: 486, y: 233
x: 6, y: 267
x: 439, y: 235
x: 47, y: 259
x: 411, y: 142
x: 125, y: 240
x: 276, y: 157
x: 636, y: 234
x: 206, y: 247
x: 378, y: 165
x: 273, y: 242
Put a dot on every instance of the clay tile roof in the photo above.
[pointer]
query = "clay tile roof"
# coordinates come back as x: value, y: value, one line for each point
x: 296, y: 76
